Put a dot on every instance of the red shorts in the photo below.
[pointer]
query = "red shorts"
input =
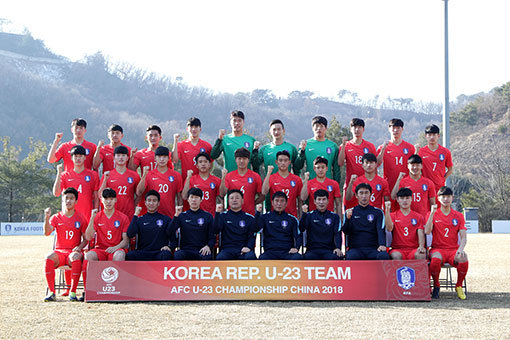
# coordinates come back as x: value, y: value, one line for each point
x: 407, y: 253
x: 448, y: 255
x: 102, y: 255
x: 63, y: 255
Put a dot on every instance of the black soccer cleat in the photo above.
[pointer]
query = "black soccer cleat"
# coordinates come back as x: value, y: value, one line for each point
x: 435, y: 293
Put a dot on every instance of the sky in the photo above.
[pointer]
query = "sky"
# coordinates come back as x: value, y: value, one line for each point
x: 386, y: 47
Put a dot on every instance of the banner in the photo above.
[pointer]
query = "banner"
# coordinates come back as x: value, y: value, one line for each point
x: 257, y: 280
x: 16, y: 228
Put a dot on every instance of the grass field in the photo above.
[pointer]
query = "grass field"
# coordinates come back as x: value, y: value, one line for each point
x: 485, y: 313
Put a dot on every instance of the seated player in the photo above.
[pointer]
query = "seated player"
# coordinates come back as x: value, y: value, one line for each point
x: 447, y: 226
x: 151, y: 231
x: 284, y: 181
x: 236, y: 229
x: 105, y: 153
x: 424, y: 192
x: 69, y: 225
x: 406, y: 227
x: 323, y: 237
x: 196, y: 229
x: 282, y: 238
x: 320, y: 166
x: 363, y: 228
x: 380, y: 188
x: 109, y: 226
x: 205, y: 181
x: 244, y: 179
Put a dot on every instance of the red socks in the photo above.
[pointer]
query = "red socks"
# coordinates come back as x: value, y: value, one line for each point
x: 462, y: 269
x: 84, y: 273
x: 75, y: 274
x: 435, y: 270
x: 68, y: 278
x: 49, y: 270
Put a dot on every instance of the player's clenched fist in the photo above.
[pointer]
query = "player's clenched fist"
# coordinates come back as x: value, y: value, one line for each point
x: 348, y: 213
x: 221, y: 133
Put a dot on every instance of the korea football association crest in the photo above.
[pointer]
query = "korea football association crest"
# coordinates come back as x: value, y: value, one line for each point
x: 414, y: 221
x: 406, y: 277
x: 329, y: 150
x: 424, y: 187
x: 246, y: 144
x: 171, y: 178
x: 130, y: 180
x: 328, y: 221
x: 250, y: 180
x: 87, y: 178
x: 378, y: 187
x: 202, y: 150
x: 406, y: 151
x: 87, y: 152
x: 77, y: 225
x: 159, y: 223
x: 365, y: 150
x: 455, y: 222
x: 293, y: 183
x: 370, y: 218
x: 116, y: 224
x: 441, y: 157
x: 212, y: 185
x: 285, y: 224
x: 200, y: 221
x: 242, y: 223
x: 330, y: 188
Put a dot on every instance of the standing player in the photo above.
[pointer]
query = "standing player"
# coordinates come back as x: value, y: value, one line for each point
x: 196, y: 229
x: 424, y: 192
x: 205, y: 181
x: 284, y: 181
x: 167, y: 182
x: 69, y: 225
x: 151, y: 230
x: 146, y: 157
x: 437, y: 160
x: 230, y: 143
x: 78, y: 129
x: 105, y: 153
x: 109, y: 226
x: 244, y: 179
x: 351, y: 154
x: 319, y: 145
x: 236, y: 229
x: 394, y: 154
x: 380, y: 188
x: 323, y: 237
x: 448, y: 241
x: 364, y: 230
x: 282, y: 239
x: 406, y: 226
x: 320, y: 167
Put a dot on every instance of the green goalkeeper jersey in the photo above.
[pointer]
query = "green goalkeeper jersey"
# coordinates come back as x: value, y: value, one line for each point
x: 314, y: 148
x: 228, y: 145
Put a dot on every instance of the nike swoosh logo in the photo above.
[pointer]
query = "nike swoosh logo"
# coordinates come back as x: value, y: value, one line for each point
x: 269, y: 153
x: 228, y: 143
x: 276, y: 183
x: 316, y: 220
x: 113, y: 180
x: 60, y: 223
x: 100, y: 224
x: 186, y: 151
x: 187, y: 221
x: 234, y: 180
x: 350, y: 150
x: 311, y: 149
x: 229, y: 221
x: 143, y: 157
x: 425, y: 157
x: 70, y: 179
x: 356, y: 217
x: 397, y: 220
x: 271, y: 221
x: 389, y: 151
x: 107, y: 154
x: 154, y: 178
x: 145, y: 223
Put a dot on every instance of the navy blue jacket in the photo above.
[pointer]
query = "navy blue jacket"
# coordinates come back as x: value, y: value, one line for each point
x: 322, y: 230
x: 237, y: 229
x: 196, y: 230
x: 151, y: 231
x: 365, y: 228
x: 281, y: 231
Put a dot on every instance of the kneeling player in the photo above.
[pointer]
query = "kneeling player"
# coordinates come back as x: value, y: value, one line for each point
x: 196, y: 230
x: 236, y: 229
x: 406, y: 227
x: 151, y: 232
x: 446, y: 225
x: 69, y: 225
x: 323, y: 237
x: 282, y: 238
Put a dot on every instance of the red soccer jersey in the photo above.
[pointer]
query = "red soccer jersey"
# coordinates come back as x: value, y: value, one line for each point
x: 445, y: 229
x: 290, y: 185
x: 435, y: 164
x: 353, y: 155
x: 106, y: 154
x: 330, y: 185
x: 64, y: 152
x: 250, y: 184
x: 146, y: 157
x: 187, y: 152
x: 68, y: 229
x: 168, y: 184
x: 422, y: 189
x: 109, y: 230
x: 405, y: 229
x: 379, y: 187
x: 210, y: 188
x: 395, y: 160
x: 86, y: 182
x: 125, y: 186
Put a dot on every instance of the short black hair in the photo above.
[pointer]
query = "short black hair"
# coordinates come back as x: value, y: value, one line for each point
x: 414, y: 159
x: 357, y: 122
x: 276, y: 121
x: 369, y: 157
x: 433, y: 128
x: 202, y: 154
x: 109, y: 193
x: 445, y: 191
x: 196, y: 192
x: 162, y: 151
x: 121, y: 149
x: 320, y: 120
x: 154, y: 127
x: 237, y: 113
x: 115, y: 127
x: 321, y: 193
x: 319, y: 160
x: 279, y: 194
x: 71, y: 190
x: 233, y: 191
x: 282, y: 153
x: 396, y: 122
x: 363, y: 186
x: 404, y: 192
x: 242, y: 152
x: 78, y: 150
x: 79, y: 122
x: 153, y: 192
x: 194, y: 121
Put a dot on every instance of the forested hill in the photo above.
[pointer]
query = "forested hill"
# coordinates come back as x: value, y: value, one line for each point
x: 40, y: 93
